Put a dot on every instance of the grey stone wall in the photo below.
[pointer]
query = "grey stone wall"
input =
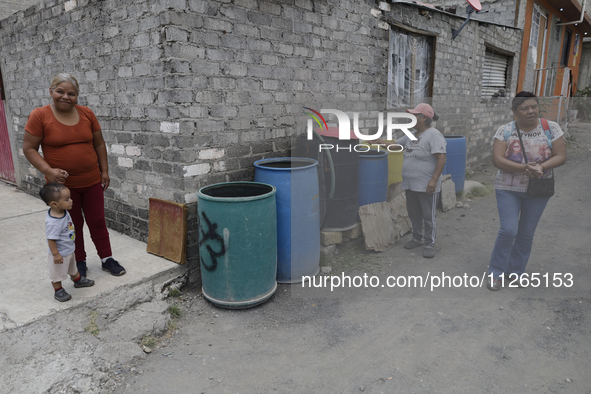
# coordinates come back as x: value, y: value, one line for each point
x: 9, y: 7
x: 192, y: 92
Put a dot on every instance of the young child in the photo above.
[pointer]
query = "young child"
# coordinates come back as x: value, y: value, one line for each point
x: 60, y: 233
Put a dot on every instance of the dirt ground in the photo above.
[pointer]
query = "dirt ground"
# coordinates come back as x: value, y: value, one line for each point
x: 405, y: 340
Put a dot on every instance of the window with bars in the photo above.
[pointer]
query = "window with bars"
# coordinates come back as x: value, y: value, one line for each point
x: 535, y: 28
x: 410, y: 68
x: 494, y: 74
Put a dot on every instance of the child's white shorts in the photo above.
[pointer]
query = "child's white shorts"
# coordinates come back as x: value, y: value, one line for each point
x: 60, y: 272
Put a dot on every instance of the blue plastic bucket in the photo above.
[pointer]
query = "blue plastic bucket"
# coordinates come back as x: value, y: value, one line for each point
x: 298, y: 214
x: 373, y: 176
x: 455, y: 164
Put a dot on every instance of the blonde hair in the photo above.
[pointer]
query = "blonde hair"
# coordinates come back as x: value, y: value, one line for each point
x: 64, y: 77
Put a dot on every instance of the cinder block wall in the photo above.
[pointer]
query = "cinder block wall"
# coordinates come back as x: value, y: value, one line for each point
x: 458, y: 72
x: 191, y: 92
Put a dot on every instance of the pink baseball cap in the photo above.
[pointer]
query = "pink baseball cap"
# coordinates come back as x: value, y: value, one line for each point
x: 424, y: 109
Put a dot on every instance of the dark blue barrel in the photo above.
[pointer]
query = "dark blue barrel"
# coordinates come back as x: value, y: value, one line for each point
x: 455, y: 164
x: 341, y: 212
x: 298, y: 214
x: 338, y: 213
x: 373, y: 176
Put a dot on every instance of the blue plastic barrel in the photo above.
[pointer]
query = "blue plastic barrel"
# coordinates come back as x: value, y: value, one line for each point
x: 455, y: 164
x: 298, y: 214
x: 373, y: 176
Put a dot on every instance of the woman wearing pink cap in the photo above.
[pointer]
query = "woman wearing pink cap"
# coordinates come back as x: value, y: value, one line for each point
x: 421, y: 177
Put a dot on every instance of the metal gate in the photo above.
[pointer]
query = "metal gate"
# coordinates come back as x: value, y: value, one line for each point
x: 6, y: 163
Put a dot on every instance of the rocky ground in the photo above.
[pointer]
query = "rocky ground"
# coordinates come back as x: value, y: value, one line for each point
x: 83, y: 350
x: 451, y: 339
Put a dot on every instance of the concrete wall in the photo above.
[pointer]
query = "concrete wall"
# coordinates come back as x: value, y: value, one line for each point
x: 9, y: 7
x: 192, y: 92
x: 585, y: 70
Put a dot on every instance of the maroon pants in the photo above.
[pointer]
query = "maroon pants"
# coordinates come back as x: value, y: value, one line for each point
x: 89, y: 206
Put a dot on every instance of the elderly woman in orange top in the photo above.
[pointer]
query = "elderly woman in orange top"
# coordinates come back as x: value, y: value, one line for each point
x: 74, y: 154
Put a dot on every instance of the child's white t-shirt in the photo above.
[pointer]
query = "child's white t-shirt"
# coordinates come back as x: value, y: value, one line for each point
x: 62, y: 231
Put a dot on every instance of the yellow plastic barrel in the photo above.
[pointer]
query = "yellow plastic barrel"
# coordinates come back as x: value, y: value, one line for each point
x: 394, y: 164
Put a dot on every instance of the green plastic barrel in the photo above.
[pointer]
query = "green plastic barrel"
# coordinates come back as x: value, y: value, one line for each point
x: 237, y: 243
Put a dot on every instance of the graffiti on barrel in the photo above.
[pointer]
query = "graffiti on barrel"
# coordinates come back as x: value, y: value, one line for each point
x: 212, y: 235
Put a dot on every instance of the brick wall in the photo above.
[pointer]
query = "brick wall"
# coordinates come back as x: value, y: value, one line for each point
x: 458, y: 74
x: 192, y: 92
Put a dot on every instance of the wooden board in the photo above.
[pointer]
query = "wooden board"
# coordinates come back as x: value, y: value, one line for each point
x: 384, y: 223
x: 167, y: 234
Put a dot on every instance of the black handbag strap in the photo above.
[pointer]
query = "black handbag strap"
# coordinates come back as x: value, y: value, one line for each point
x: 521, y: 143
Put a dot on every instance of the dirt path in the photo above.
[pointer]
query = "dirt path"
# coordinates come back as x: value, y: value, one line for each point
x: 406, y: 340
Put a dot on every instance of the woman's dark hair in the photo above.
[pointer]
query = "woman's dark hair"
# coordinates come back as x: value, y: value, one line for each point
x: 522, y: 97
x: 51, y: 192
x: 429, y: 120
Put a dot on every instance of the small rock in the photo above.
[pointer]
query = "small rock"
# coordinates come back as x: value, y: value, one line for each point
x: 568, y: 380
x: 146, y: 349
x: 361, y: 388
x: 467, y: 206
x: 459, y: 204
x: 326, y: 270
